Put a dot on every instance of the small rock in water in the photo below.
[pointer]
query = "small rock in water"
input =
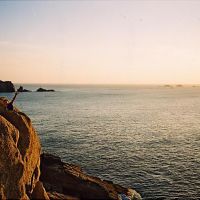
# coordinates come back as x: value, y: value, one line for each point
x: 44, y: 90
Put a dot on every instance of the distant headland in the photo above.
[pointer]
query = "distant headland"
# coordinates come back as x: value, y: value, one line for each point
x: 8, y: 86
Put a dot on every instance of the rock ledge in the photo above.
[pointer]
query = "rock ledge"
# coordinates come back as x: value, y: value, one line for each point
x: 66, y: 181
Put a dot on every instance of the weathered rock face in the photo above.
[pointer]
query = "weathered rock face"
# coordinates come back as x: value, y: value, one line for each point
x: 66, y: 181
x: 6, y: 86
x: 39, y: 192
x: 20, y: 155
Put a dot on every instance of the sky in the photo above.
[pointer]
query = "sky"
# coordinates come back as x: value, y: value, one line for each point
x: 100, y: 42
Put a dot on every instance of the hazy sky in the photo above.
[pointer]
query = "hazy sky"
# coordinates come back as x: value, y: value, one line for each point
x: 128, y: 42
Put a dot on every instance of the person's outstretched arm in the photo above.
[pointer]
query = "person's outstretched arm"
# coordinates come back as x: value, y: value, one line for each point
x: 16, y: 93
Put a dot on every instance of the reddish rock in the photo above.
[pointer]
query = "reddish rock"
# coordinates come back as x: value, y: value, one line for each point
x: 20, y: 154
x: 39, y: 192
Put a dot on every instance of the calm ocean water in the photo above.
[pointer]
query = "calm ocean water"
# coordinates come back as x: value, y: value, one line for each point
x: 147, y: 138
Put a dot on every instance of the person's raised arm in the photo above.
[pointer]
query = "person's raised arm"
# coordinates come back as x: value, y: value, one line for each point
x: 16, y: 93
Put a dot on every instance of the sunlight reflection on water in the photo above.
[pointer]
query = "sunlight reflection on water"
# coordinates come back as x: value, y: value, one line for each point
x: 146, y: 138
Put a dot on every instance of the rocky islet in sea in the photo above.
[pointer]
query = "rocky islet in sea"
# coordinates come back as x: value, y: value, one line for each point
x: 8, y: 86
x: 44, y: 90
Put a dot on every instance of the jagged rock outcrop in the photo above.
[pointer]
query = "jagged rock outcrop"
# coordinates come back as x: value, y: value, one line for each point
x: 44, y: 90
x: 67, y: 181
x: 21, y: 89
x: 20, y: 154
x: 6, y: 86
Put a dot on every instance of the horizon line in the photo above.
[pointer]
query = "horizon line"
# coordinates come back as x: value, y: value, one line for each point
x: 151, y: 84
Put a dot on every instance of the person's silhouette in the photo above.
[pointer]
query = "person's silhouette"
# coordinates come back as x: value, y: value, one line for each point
x: 10, y: 104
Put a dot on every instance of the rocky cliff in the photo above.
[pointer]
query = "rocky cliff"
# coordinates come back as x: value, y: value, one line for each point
x: 24, y: 174
x: 6, y: 86
x: 20, y: 155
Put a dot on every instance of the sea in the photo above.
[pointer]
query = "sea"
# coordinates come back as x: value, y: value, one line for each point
x: 143, y: 137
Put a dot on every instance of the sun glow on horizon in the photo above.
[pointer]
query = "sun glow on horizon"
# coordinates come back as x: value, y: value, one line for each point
x: 100, y: 42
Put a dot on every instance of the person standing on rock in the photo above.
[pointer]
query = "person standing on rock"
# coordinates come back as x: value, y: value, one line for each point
x: 10, y: 104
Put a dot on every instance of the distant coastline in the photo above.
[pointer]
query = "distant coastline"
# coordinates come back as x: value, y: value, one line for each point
x: 8, y: 86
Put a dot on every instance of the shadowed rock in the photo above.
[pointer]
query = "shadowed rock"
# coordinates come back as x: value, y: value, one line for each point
x: 44, y: 90
x: 21, y: 89
x: 6, y: 86
x: 60, y: 178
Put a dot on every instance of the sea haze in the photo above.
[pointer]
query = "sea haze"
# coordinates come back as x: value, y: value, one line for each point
x: 144, y: 137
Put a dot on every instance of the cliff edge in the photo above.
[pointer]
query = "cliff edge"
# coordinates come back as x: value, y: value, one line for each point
x: 20, y: 155
x: 26, y: 174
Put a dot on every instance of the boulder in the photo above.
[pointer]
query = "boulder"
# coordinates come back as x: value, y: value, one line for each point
x: 39, y: 192
x: 6, y: 86
x: 44, y: 90
x: 20, y: 154
x: 62, y: 179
